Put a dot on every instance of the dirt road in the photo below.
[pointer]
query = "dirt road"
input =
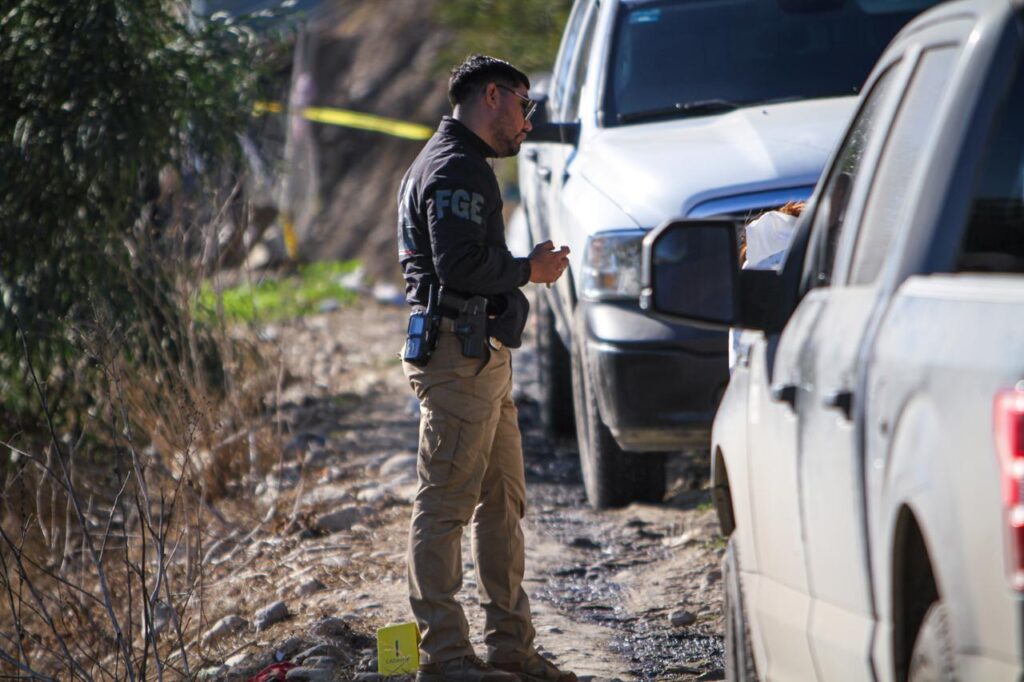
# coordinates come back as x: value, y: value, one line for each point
x: 632, y: 594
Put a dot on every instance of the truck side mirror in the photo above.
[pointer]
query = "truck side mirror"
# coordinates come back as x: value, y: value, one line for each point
x: 690, y: 272
x: 540, y: 115
x: 546, y: 131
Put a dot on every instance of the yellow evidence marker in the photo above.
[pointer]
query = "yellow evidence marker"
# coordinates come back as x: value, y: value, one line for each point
x: 398, y: 650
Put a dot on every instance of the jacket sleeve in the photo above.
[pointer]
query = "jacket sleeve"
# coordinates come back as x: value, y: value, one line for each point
x: 459, y: 204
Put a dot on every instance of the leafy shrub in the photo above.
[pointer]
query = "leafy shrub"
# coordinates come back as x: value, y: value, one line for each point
x: 120, y: 121
x: 100, y: 98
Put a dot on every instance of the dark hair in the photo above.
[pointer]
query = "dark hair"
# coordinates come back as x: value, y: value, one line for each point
x: 478, y: 70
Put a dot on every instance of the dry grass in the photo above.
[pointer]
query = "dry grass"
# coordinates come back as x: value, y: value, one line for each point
x: 105, y: 531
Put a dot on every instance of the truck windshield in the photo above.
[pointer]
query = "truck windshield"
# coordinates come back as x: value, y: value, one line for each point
x: 670, y: 58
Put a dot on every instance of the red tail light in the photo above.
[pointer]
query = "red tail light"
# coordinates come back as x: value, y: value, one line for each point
x: 1009, y: 435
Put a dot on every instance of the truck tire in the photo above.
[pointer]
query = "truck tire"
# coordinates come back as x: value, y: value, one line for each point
x: 612, y: 477
x: 739, y: 655
x: 932, y: 659
x: 554, y: 374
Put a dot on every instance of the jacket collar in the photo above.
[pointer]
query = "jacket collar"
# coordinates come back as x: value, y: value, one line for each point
x: 452, y: 128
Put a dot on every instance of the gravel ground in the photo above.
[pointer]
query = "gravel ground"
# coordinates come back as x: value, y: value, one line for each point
x: 629, y: 594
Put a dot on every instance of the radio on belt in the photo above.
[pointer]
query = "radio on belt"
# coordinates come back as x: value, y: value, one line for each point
x: 421, y: 335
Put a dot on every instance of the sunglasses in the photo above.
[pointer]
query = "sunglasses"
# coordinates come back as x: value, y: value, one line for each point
x: 527, y: 104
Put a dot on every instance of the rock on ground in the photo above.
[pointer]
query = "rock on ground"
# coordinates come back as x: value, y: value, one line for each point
x: 310, y: 587
x: 340, y: 520
x: 331, y: 627
x: 681, y: 618
x: 321, y: 651
x: 212, y: 672
x: 227, y: 625
x: 399, y: 467
x: 271, y: 614
x: 312, y: 674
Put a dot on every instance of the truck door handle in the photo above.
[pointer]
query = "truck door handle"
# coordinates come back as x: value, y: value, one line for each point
x: 544, y: 173
x: 530, y: 154
x: 841, y: 399
x: 784, y: 393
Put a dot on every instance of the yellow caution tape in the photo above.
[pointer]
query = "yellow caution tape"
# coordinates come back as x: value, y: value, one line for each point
x: 268, y: 108
x: 291, y: 240
x: 355, y: 119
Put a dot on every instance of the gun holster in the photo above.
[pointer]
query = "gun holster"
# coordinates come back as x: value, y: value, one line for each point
x: 470, y: 314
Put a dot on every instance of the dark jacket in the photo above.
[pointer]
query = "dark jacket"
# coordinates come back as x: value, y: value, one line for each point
x: 451, y: 231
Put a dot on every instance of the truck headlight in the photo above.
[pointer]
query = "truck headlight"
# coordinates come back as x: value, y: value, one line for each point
x: 611, y: 265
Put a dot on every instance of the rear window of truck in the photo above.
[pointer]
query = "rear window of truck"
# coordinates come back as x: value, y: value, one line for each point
x: 994, y: 239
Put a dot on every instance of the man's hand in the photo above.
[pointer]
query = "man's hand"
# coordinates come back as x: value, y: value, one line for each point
x: 547, y: 264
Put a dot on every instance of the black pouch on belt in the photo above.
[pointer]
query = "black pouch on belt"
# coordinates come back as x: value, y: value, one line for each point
x: 470, y: 321
x: 509, y: 318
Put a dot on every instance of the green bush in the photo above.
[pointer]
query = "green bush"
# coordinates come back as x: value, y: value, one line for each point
x: 100, y: 97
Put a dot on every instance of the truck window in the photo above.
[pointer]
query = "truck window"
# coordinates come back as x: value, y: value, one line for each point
x: 830, y: 214
x: 579, y: 68
x: 994, y: 238
x: 566, y: 53
x: 910, y: 131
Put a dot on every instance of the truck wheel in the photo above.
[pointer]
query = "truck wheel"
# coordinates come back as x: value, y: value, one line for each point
x: 932, y: 659
x: 612, y: 477
x: 739, y: 655
x: 602, y: 461
x: 554, y: 378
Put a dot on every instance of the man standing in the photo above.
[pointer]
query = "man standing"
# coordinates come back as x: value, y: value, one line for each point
x: 451, y: 235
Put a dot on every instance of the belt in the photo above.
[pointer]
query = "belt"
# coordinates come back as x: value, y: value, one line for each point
x: 448, y: 325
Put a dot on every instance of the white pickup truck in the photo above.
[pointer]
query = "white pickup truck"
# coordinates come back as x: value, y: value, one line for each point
x: 868, y: 455
x: 659, y: 109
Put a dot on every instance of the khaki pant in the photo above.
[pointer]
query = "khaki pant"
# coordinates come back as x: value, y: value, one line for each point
x: 470, y: 469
